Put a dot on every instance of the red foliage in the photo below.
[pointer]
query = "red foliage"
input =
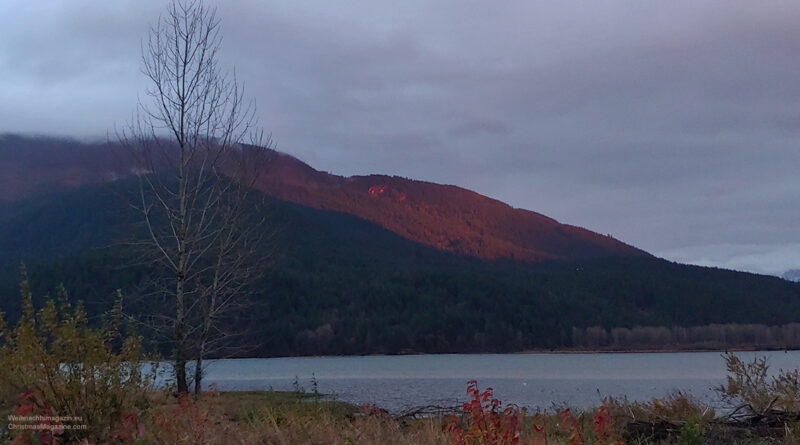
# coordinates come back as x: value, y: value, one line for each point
x: 188, y: 417
x: 192, y: 421
x: 570, y: 425
x: 129, y: 430
x: 603, y: 427
x: 32, y: 404
x: 602, y: 422
x: 486, y: 424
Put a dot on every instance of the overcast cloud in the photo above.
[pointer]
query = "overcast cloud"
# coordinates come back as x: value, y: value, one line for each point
x: 674, y: 126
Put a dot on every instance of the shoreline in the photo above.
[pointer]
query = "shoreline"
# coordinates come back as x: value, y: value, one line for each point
x: 534, y: 352
x: 651, y: 351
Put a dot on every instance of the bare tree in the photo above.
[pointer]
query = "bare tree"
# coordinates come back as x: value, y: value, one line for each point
x: 195, y: 175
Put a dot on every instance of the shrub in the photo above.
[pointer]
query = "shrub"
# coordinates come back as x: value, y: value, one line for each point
x: 691, y: 433
x: 749, y: 385
x: 602, y: 429
x: 673, y: 408
x: 486, y: 424
x: 65, y: 368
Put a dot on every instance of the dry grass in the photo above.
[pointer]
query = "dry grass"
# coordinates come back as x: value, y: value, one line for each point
x: 279, y: 418
x: 325, y: 429
x: 284, y: 418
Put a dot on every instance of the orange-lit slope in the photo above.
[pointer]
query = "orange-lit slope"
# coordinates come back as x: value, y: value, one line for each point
x: 442, y: 216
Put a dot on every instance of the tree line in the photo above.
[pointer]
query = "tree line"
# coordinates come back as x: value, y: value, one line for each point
x: 712, y: 336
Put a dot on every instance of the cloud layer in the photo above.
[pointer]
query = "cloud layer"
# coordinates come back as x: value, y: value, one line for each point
x: 672, y: 126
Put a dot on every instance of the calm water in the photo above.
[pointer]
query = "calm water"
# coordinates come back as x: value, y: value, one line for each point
x: 531, y: 380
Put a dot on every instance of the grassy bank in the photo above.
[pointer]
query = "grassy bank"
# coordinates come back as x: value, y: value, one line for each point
x: 299, y: 418
x: 275, y: 417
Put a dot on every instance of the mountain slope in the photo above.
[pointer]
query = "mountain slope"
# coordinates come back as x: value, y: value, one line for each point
x: 373, y: 264
x: 444, y: 217
x: 35, y: 166
x: 343, y: 285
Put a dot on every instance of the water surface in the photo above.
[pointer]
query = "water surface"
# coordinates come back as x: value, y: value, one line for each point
x: 530, y: 380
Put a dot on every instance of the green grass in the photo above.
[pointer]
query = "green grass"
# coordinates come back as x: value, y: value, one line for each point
x: 247, y: 406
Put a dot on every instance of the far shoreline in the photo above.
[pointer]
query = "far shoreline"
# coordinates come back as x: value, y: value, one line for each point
x: 652, y: 351
x: 532, y: 352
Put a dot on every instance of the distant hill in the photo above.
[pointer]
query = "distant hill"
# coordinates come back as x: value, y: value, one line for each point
x: 792, y: 275
x: 445, y: 217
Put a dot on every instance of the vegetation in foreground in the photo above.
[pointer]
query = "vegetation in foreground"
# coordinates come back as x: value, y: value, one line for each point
x: 297, y: 418
x: 107, y: 397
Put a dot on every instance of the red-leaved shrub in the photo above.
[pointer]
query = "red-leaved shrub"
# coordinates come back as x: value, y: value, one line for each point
x: 486, y: 423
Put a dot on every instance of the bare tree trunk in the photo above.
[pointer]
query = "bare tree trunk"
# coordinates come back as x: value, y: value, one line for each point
x: 198, y: 369
x: 180, y: 340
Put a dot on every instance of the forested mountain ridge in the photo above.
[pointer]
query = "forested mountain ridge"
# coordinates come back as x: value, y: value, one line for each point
x: 343, y: 284
x: 444, y: 217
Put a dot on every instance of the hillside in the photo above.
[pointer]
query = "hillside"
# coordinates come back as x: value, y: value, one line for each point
x: 444, y: 217
x: 378, y: 264
x: 343, y: 285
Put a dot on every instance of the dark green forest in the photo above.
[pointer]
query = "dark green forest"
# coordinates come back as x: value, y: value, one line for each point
x: 340, y: 285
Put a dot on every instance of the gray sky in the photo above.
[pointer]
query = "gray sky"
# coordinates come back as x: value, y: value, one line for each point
x: 674, y: 126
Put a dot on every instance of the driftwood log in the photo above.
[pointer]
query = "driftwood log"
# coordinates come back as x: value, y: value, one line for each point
x: 742, y: 422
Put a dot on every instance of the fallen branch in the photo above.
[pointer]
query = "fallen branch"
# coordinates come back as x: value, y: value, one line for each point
x: 418, y: 412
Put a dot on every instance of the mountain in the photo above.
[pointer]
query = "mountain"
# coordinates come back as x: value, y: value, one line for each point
x: 444, y: 217
x: 344, y: 280
x: 792, y: 275
x: 340, y: 284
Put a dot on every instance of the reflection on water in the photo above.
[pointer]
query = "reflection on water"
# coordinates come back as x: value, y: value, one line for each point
x: 531, y: 380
